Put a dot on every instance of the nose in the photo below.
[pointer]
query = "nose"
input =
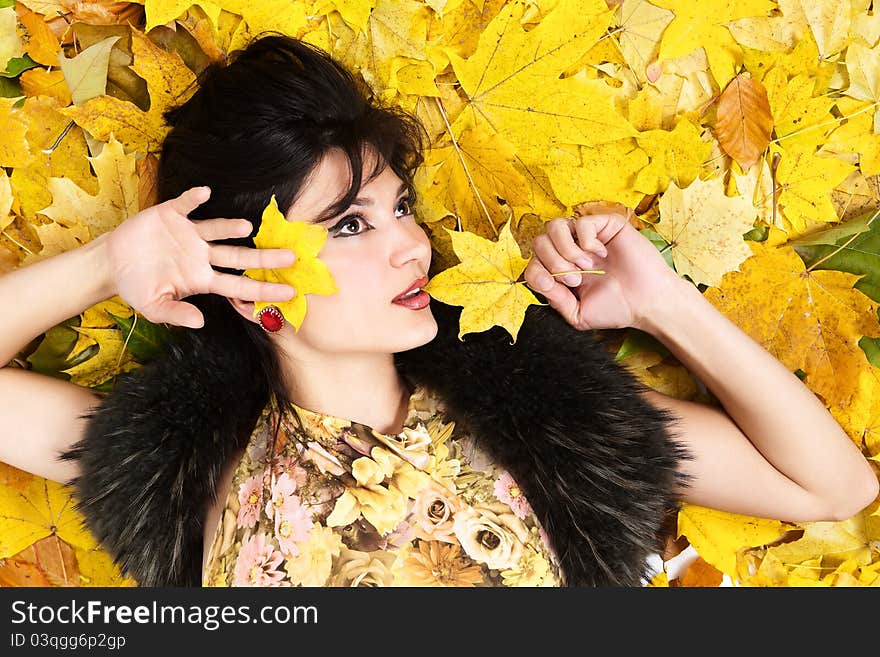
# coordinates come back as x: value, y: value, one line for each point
x: 411, y: 242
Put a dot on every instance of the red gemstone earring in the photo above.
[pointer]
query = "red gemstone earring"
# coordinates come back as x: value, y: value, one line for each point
x: 271, y: 319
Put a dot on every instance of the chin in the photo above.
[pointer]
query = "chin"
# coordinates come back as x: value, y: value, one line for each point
x: 426, y: 333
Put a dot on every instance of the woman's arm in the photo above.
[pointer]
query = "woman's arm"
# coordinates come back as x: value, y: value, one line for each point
x: 40, y: 415
x: 778, y: 452
x: 152, y: 260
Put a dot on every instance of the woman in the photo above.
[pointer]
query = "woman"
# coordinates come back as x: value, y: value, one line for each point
x: 371, y: 445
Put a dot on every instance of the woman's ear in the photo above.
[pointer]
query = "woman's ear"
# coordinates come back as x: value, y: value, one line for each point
x: 244, y: 308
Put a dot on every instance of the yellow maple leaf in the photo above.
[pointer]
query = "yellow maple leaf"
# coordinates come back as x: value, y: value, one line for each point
x: 307, y: 275
x: 512, y: 84
x: 641, y: 27
x: 485, y: 283
x: 694, y: 26
x: 468, y: 179
x: 38, y: 509
x: 58, y: 149
x: 111, y: 359
x: 829, y: 22
x: 14, y: 151
x: 805, y: 181
x: 97, y: 568
x: 117, y: 198
x: 810, y: 321
x: 605, y: 171
x: 677, y: 155
x: 169, y: 83
x: 282, y: 15
x: 798, y: 115
x: 161, y: 12
x: 6, y: 217
x: 718, y: 535
x: 856, y: 135
x: 835, y: 542
x: 705, y: 228
x: 395, y: 29
x: 860, y: 417
x: 56, y: 239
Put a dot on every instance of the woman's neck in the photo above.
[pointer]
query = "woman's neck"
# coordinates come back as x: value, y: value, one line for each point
x: 364, y: 388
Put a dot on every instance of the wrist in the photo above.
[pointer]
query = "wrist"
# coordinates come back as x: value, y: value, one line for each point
x: 659, y: 317
x: 98, y: 251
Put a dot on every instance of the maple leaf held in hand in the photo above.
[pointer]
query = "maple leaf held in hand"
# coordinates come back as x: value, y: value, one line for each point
x: 485, y: 283
x: 307, y: 275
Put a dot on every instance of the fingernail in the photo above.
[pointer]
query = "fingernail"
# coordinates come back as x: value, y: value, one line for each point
x: 573, y: 279
x: 545, y: 283
x: 602, y: 250
x: 584, y: 263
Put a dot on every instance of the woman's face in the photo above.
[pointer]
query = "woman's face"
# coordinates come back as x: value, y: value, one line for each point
x: 373, y: 258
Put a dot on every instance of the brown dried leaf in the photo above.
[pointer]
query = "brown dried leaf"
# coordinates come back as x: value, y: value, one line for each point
x: 701, y: 573
x: 744, y: 121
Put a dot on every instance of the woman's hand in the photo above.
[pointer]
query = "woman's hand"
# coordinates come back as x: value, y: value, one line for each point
x: 636, y: 276
x: 159, y: 256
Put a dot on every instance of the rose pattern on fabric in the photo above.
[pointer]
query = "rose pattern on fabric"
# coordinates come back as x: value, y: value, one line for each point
x: 329, y: 502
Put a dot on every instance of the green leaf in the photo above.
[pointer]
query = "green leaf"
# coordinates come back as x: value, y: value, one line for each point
x: 51, y: 356
x: 6, y: 3
x: 146, y: 341
x: 871, y: 347
x: 10, y: 88
x: 636, y: 341
x: 861, y: 256
x: 17, y: 65
x: 661, y: 244
x: 757, y: 234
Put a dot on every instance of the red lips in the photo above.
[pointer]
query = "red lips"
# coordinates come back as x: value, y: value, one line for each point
x: 419, y: 282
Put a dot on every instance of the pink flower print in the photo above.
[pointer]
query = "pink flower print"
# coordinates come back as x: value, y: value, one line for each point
x: 250, y: 499
x: 257, y: 564
x: 292, y: 525
x: 291, y: 466
x: 283, y: 489
x: 509, y: 492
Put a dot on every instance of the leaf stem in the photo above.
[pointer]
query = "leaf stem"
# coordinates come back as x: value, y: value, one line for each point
x: 824, y: 123
x: 466, y: 171
x: 18, y: 244
x: 844, y: 245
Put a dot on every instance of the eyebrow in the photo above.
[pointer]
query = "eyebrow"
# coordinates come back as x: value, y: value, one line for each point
x: 364, y: 202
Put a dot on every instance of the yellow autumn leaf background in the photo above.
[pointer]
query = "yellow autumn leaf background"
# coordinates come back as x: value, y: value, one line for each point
x: 533, y: 108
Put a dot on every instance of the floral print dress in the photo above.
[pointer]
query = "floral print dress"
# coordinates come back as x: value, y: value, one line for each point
x: 336, y: 503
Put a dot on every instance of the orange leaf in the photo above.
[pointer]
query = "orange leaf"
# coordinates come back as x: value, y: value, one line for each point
x: 40, y: 82
x: 744, y: 121
x: 701, y: 573
x: 41, y: 43
x: 48, y: 562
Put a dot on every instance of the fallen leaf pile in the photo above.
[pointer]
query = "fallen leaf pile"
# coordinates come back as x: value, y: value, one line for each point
x: 745, y: 135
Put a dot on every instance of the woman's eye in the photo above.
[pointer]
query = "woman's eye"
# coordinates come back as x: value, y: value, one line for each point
x: 348, y: 221
x: 405, y: 203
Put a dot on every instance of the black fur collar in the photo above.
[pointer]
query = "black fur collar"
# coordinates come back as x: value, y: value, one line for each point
x: 596, y: 460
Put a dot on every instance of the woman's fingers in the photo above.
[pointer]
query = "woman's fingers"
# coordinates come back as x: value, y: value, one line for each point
x: 247, y: 289
x: 558, y: 295
x: 557, y: 260
x: 222, y: 229
x: 190, y: 200
x: 179, y: 313
x: 587, y: 236
x: 244, y: 257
